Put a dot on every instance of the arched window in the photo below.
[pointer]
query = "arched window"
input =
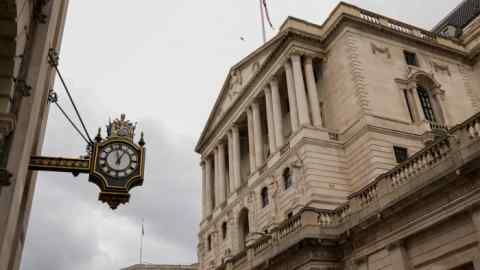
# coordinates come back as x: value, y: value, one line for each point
x: 224, y: 230
x: 264, y: 195
x: 426, y: 102
x: 243, y: 228
x: 287, y: 178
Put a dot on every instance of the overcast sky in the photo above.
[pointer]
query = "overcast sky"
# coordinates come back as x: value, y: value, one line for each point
x: 162, y: 62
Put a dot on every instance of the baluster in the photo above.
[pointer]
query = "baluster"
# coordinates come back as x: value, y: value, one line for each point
x: 393, y: 178
x: 430, y: 157
x: 398, y: 177
x: 411, y: 170
x: 477, y: 127
x: 471, y: 131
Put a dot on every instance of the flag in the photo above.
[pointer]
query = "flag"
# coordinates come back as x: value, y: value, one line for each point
x: 267, y: 14
x: 143, y: 231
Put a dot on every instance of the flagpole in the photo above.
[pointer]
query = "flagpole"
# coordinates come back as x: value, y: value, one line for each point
x: 262, y: 17
x: 141, y: 243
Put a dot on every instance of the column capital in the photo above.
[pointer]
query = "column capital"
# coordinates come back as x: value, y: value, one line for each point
x: 254, y: 104
x: 308, y: 60
x: 202, y: 163
x: 295, y: 57
x: 267, y: 89
x: 274, y: 82
x: 287, y: 65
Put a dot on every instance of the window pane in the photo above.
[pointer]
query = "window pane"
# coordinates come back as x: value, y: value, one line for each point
x: 401, y: 153
x: 426, y: 104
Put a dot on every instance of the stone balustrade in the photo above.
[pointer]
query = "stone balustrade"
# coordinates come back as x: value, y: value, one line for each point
x: 473, y: 128
x: 289, y: 226
x: 332, y: 222
x: 418, y: 163
x: 397, y: 26
x: 261, y: 244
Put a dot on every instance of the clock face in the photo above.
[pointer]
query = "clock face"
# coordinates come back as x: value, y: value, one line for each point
x: 118, y: 160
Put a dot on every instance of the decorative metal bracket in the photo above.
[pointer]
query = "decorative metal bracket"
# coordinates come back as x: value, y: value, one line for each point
x: 56, y: 164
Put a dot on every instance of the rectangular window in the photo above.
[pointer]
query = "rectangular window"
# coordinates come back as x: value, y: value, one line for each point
x: 401, y: 153
x: 409, y: 106
x: 410, y: 58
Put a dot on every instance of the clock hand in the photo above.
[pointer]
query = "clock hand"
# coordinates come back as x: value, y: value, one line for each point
x: 119, y: 158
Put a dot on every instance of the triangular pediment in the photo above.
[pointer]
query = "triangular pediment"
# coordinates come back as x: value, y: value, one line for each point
x: 238, y: 78
x: 244, y: 75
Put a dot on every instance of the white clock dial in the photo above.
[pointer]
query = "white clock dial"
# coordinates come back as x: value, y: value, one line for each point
x: 118, y: 160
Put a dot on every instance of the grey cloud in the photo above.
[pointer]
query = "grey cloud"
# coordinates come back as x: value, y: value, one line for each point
x: 163, y: 63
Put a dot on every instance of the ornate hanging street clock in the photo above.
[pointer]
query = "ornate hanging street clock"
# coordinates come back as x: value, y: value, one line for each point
x: 115, y: 164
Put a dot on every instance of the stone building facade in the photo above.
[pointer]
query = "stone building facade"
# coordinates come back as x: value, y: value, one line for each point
x: 28, y: 30
x: 354, y: 144
x: 161, y: 267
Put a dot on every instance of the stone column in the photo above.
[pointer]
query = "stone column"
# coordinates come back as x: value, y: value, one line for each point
x: 204, y: 190
x: 398, y: 256
x: 231, y: 177
x: 257, y: 133
x: 236, y: 157
x: 210, y: 187
x: 277, y: 113
x: 270, y: 124
x: 222, y: 179
x: 303, y: 115
x: 418, y: 106
x: 292, y: 98
x: 216, y: 178
x: 251, y: 143
x: 312, y: 92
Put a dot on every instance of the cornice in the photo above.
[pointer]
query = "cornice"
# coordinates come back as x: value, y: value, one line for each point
x: 330, y: 29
